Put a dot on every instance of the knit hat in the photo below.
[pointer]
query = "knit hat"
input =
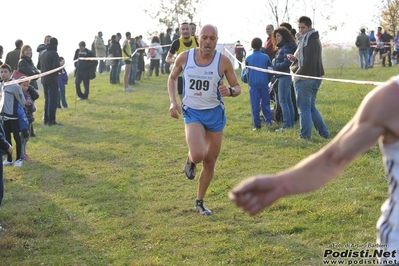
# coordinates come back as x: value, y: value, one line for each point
x: 53, y: 41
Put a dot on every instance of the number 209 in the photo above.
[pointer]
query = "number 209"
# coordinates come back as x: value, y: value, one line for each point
x: 199, y: 84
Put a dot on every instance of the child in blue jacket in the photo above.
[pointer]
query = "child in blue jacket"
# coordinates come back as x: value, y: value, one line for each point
x: 62, y: 81
x: 258, y: 82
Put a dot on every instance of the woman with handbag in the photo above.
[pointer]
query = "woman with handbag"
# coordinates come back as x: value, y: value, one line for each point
x: 26, y: 66
x: 285, y: 42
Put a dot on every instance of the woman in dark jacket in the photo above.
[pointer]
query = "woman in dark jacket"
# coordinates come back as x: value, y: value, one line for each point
x: 26, y: 66
x: 116, y: 51
x: 285, y: 42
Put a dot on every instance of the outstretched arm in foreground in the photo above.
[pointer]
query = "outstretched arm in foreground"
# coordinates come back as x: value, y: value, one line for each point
x: 376, y: 117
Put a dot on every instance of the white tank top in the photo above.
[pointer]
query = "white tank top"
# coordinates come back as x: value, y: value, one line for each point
x: 200, y: 83
x: 388, y: 223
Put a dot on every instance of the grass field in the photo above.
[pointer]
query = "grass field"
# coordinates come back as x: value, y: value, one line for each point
x: 108, y: 188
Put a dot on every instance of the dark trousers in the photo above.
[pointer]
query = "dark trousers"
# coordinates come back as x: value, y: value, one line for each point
x: 113, y: 78
x: 12, y: 126
x: 51, y: 93
x: 1, y: 183
x: 154, y: 63
x: 82, y: 76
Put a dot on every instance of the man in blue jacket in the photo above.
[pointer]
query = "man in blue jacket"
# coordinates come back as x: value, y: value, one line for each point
x: 258, y: 82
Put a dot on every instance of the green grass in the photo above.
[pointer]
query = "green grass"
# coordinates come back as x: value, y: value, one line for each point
x: 108, y: 188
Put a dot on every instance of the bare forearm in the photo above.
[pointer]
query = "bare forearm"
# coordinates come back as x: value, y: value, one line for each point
x: 172, y: 89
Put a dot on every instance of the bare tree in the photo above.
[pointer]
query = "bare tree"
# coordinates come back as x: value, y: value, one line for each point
x: 389, y: 18
x: 278, y: 10
x: 170, y: 13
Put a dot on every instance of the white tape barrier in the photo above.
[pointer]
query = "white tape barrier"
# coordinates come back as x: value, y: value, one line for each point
x: 21, y: 80
x: 371, y: 83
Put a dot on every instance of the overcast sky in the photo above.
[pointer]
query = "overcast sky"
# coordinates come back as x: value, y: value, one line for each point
x: 74, y: 21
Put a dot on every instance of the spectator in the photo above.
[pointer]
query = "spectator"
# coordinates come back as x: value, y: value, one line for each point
x: 62, y: 81
x: 30, y: 94
x: 154, y: 54
x: 82, y: 71
x: 288, y: 26
x: 116, y: 51
x: 100, y: 51
x: 42, y: 46
x: 176, y: 35
x: 141, y: 63
x: 13, y: 56
x: 363, y: 43
x: 258, y: 84
x: 26, y: 66
x: 268, y: 48
x: 135, y: 61
x: 379, y: 46
x: 183, y: 43
x: 239, y: 52
x: 12, y: 96
x: 395, y: 48
x: 127, y: 59
x: 1, y: 56
x: 373, y: 43
x: 307, y: 61
x: 386, y: 38
x: 120, y: 61
x: 193, y: 30
x: 283, y: 39
x: 48, y: 61
x: 167, y: 41
x: 5, y: 148
x: 162, y: 66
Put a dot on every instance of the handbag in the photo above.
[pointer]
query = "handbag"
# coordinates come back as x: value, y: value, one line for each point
x: 16, y: 74
x: 109, y: 62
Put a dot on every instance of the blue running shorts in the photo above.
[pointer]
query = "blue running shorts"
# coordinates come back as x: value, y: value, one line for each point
x: 214, y: 120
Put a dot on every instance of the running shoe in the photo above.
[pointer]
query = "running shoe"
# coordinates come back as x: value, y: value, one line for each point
x: 201, y: 209
x: 190, y: 169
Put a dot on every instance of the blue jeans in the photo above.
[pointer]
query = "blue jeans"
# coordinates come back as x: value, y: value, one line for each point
x: 260, y: 99
x: 363, y: 58
x: 306, y: 93
x: 118, y: 74
x: 133, y: 72
x: 285, y: 99
x: 101, y: 66
x: 62, y: 98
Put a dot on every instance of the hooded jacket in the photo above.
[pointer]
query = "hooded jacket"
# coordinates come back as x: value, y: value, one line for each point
x: 49, y: 60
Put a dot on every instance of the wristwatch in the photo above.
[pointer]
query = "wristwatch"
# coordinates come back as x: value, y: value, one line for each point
x: 232, y: 91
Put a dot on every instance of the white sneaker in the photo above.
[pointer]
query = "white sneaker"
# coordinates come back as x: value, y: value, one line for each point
x: 18, y: 163
x: 7, y: 163
x: 128, y: 90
